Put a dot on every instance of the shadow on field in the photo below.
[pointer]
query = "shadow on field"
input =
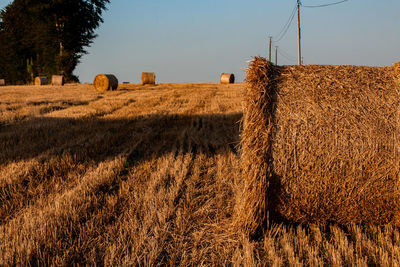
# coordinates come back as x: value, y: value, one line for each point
x: 96, y: 139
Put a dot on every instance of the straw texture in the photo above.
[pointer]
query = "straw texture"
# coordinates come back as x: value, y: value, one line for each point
x: 2, y: 82
x: 320, y: 144
x: 227, y: 78
x: 148, y: 78
x: 105, y: 82
x: 41, y: 81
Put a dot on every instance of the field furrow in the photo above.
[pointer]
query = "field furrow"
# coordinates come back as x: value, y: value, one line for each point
x: 146, y: 175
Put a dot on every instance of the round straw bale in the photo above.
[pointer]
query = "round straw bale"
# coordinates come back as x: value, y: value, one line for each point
x: 2, y: 82
x: 105, y: 82
x: 396, y: 67
x: 41, y: 81
x: 148, y: 78
x: 227, y: 78
x: 57, y: 80
x: 320, y: 144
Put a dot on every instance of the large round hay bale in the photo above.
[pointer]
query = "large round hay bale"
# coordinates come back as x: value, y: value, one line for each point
x: 57, y: 80
x: 320, y: 144
x: 41, y: 81
x: 148, y: 78
x: 105, y: 82
x: 397, y: 70
x: 2, y: 82
x: 227, y: 78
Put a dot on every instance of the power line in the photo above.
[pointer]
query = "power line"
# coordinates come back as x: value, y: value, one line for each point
x: 286, y: 55
x: 286, y: 27
x: 325, y: 5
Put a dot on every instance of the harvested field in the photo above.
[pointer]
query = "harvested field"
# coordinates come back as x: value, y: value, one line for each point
x: 145, y: 176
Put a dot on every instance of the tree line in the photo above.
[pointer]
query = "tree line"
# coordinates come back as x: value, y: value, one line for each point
x: 46, y: 37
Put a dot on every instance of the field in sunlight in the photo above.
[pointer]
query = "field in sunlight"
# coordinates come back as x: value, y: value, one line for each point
x: 144, y: 175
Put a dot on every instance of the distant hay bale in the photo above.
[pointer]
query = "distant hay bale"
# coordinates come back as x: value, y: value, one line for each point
x: 148, y: 78
x: 320, y: 144
x: 57, y: 80
x: 2, y: 82
x: 105, y: 82
x: 227, y: 78
x: 41, y: 81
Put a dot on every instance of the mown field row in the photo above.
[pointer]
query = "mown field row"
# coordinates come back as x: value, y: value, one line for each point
x: 145, y: 176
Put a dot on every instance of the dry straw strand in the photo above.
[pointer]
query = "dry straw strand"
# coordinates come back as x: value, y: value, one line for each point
x: 320, y: 144
x: 105, y: 82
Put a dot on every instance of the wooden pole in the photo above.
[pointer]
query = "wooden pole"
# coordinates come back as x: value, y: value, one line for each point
x: 299, y: 30
x: 270, y: 47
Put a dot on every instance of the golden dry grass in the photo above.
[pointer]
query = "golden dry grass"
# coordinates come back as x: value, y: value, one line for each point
x: 145, y: 176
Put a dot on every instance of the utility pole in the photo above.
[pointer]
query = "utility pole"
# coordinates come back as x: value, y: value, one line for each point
x: 276, y: 55
x: 298, y: 30
x: 270, y: 45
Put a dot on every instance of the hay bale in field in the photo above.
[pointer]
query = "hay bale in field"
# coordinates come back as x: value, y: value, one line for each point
x: 41, y: 81
x: 227, y: 78
x: 105, y: 82
x: 320, y: 144
x: 57, y: 80
x: 2, y: 82
x: 148, y: 78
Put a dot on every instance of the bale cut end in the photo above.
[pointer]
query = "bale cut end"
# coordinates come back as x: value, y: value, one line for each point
x: 39, y: 81
x: 227, y: 78
x: 148, y: 78
x: 2, y: 82
x: 105, y: 82
x: 57, y: 80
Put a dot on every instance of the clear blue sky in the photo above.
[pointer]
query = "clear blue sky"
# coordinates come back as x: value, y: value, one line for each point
x: 195, y: 41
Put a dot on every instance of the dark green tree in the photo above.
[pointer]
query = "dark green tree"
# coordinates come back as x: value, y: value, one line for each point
x: 45, y: 37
